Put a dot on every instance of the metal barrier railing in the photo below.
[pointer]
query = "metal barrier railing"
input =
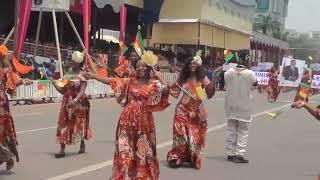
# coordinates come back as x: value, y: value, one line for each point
x: 94, y: 88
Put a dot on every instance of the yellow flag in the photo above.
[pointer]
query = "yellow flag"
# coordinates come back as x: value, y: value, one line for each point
x: 62, y: 83
x: 201, y: 92
x: 271, y: 114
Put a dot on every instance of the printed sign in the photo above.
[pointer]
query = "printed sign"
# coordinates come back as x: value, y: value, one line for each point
x: 48, y: 5
x: 315, y: 83
x: 262, y: 78
x: 291, y: 72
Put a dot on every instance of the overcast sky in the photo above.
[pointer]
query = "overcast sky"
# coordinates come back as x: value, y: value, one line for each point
x: 303, y: 15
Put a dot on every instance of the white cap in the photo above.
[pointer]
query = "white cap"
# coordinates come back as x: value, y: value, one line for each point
x: 77, y: 57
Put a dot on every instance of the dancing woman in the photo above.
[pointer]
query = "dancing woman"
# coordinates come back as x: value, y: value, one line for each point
x: 8, y: 138
x: 190, y: 119
x: 73, y: 123
x: 135, y: 154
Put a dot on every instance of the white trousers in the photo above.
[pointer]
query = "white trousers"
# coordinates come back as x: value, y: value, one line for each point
x: 237, y: 137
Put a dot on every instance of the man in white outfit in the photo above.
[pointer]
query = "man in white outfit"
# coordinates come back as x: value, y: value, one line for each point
x: 239, y: 82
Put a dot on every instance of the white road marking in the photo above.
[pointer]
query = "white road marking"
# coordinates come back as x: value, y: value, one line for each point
x: 34, y: 130
x: 29, y: 114
x: 159, y: 146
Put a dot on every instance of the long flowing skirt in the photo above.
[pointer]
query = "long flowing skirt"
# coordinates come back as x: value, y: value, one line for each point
x: 73, y: 123
x: 189, y: 134
x: 135, y: 156
x: 8, y: 139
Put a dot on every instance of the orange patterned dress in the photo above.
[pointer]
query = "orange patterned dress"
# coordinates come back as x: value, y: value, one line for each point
x: 189, y: 126
x: 73, y: 124
x: 273, y: 86
x: 8, y: 138
x: 135, y: 154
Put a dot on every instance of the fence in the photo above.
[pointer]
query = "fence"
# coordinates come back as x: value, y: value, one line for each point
x: 94, y: 88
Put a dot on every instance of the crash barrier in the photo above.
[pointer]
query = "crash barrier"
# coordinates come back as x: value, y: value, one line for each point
x: 94, y: 88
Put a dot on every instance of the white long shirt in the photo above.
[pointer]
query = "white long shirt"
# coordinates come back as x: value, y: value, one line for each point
x: 239, y: 85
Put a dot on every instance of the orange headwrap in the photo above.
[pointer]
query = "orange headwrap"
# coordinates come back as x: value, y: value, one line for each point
x: 3, y: 51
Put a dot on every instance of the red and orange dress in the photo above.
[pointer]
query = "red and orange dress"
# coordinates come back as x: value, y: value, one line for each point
x: 189, y: 125
x: 73, y: 123
x: 8, y: 138
x: 273, y: 87
x: 135, y: 154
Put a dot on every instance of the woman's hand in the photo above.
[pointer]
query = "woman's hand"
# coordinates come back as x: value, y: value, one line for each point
x: 72, y: 104
x: 51, y: 80
x: 156, y: 74
x: 26, y: 82
x: 298, y: 104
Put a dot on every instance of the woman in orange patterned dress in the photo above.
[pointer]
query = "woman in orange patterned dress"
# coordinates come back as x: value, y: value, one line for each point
x: 273, y: 86
x: 8, y: 138
x: 190, y: 119
x: 135, y: 156
x: 73, y: 124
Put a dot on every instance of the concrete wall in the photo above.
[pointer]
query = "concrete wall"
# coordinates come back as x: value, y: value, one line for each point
x: 175, y: 33
x: 137, y: 3
x: 226, y: 15
x: 181, y: 9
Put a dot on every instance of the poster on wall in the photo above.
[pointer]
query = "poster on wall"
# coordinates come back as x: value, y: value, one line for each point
x: 291, y: 72
x: 48, y: 5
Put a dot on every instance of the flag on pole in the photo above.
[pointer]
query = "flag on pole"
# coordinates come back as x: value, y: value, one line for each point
x: 228, y: 55
x: 277, y: 113
x: 201, y: 93
x: 123, y: 48
x: 62, y: 83
x: 42, y: 86
x: 139, y: 44
x: 304, y: 90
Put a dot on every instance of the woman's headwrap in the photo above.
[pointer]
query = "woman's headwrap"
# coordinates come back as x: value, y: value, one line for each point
x: 3, y: 51
x: 149, y: 58
x: 197, y: 58
x: 77, y: 57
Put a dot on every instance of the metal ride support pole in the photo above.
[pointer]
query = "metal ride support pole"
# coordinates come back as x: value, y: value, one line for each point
x: 38, y: 33
x: 81, y: 42
x: 57, y: 41
x: 9, y: 36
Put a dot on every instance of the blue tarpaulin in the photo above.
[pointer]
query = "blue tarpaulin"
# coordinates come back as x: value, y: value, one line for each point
x: 151, y: 11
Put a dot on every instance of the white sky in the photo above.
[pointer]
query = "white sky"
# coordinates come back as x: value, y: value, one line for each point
x: 303, y: 15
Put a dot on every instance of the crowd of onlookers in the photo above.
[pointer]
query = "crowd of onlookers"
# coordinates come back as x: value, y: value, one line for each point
x: 168, y: 60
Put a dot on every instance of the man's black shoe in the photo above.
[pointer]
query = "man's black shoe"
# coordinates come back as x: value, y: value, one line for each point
x: 240, y: 159
x: 230, y: 158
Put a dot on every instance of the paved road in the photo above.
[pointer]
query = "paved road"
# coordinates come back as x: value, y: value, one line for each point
x: 286, y: 148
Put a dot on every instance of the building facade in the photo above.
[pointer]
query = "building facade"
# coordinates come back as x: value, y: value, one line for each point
x: 210, y: 25
x: 267, y: 43
x: 277, y: 10
x: 315, y: 35
x: 293, y: 34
